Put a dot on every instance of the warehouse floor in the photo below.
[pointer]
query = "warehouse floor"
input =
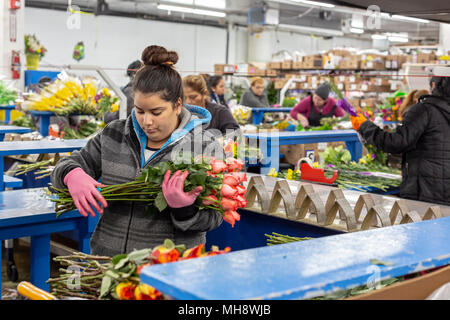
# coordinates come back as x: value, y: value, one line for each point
x: 22, y: 260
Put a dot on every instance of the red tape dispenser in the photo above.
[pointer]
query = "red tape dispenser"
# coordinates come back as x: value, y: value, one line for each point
x: 315, y: 174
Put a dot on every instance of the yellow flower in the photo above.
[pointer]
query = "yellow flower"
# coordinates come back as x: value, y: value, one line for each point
x: 362, y: 160
x: 114, y: 107
x: 315, y: 164
x: 290, y: 174
x: 105, y: 91
x: 273, y: 173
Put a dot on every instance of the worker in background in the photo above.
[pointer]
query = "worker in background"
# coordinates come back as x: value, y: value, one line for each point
x: 196, y: 93
x: 311, y: 109
x: 423, y: 140
x: 255, y: 97
x: 127, y: 91
x: 216, y: 85
x: 411, y: 99
x: 158, y: 125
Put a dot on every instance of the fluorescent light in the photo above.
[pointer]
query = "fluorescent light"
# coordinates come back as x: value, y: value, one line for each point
x: 398, y: 39
x: 398, y: 17
x: 356, y: 30
x: 379, y: 37
x: 218, y: 4
x: 190, y: 10
x: 304, y: 29
x: 315, y: 3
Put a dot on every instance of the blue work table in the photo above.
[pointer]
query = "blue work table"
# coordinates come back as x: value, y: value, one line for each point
x: 29, y: 213
x: 258, y: 113
x: 270, y: 142
x: 33, y: 147
x: 302, y: 270
x: 7, y: 109
x: 4, y: 129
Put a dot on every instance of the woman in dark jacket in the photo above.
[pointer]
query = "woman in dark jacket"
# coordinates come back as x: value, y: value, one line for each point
x: 196, y: 93
x: 216, y: 85
x: 424, y: 140
x: 158, y: 126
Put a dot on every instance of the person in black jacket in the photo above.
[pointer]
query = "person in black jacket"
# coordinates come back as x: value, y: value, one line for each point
x: 196, y: 93
x: 127, y: 91
x: 424, y: 141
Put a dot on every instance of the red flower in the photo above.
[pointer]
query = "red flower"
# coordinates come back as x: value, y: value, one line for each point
x: 218, y: 166
x: 229, y: 204
x: 228, y: 191
x: 164, y: 255
x: 234, y: 164
x: 193, y: 252
x: 236, y: 215
x: 209, y: 173
x: 125, y: 290
x: 208, y: 200
x: 230, y: 179
x: 228, y: 217
x: 240, y: 176
x: 241, y: 200
x: 241, y: 189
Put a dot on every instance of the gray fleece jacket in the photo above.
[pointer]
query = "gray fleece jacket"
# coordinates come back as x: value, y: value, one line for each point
x: 116, y: 155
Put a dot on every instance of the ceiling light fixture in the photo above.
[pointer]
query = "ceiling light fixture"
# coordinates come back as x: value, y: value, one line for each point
x: 356, y: 30
x: 308, y: 30
x: 193, y: 11
x: 315, y: 3
x: 398, y: 17
x: 379, y: 37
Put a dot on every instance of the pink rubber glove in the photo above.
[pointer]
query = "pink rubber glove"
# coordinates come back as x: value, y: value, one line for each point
x: 83, y: 190
x: 173, y: 190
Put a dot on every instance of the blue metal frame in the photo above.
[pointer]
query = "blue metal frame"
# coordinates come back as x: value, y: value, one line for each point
x: 4, y: 129
x: 29, y: 213
x: 249, y: 232
x: 7, y: 109
x: 307, y: 269
x: 33, y: 76
x: 258, y: 113
x: 33, y: 147
x: 44, y: 120
x: 270, y: 143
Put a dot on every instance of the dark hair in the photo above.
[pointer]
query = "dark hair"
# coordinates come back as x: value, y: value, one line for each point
x: 442, y: 87
x: 133, y: 68
x: 214, y: 81
x: 157, y: 75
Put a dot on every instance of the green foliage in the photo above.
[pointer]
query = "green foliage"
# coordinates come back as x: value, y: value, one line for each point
x: 24, y: 121
x: 7, y: 96
x: 272, y: 94
x: 289, y: 102
x: 336, y: 155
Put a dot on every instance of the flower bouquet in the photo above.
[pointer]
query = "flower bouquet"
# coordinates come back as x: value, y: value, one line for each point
x: 118, y: 277
x: 34, y: 51
x: 221, y: 182
x: 106, y: 101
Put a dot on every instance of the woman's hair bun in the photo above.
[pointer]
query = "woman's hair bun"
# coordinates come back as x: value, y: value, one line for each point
x: 157, y: 55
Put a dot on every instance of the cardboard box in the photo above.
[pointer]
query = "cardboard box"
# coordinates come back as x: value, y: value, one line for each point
x: 373, y: 64
x: 297, y: 65
x: 279, y: 83
x: 271, y: 73
x: 413, y: 289
x: 286, y: 64
x: 354, y: 102
x: 352, y: 87
x: 255, y: 71
x: 349, y: 63
x: 339, y: 52
x: 273, y: 65
x: 369, y: 102
x: 426, y: 57
x: 380, y: 81
x: 221, y: 69
x: 313, y: 64
x: 369, y: 87
x: 293, y: 153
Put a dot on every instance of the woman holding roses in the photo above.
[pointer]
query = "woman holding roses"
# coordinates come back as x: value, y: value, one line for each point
x: 159, y: 124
